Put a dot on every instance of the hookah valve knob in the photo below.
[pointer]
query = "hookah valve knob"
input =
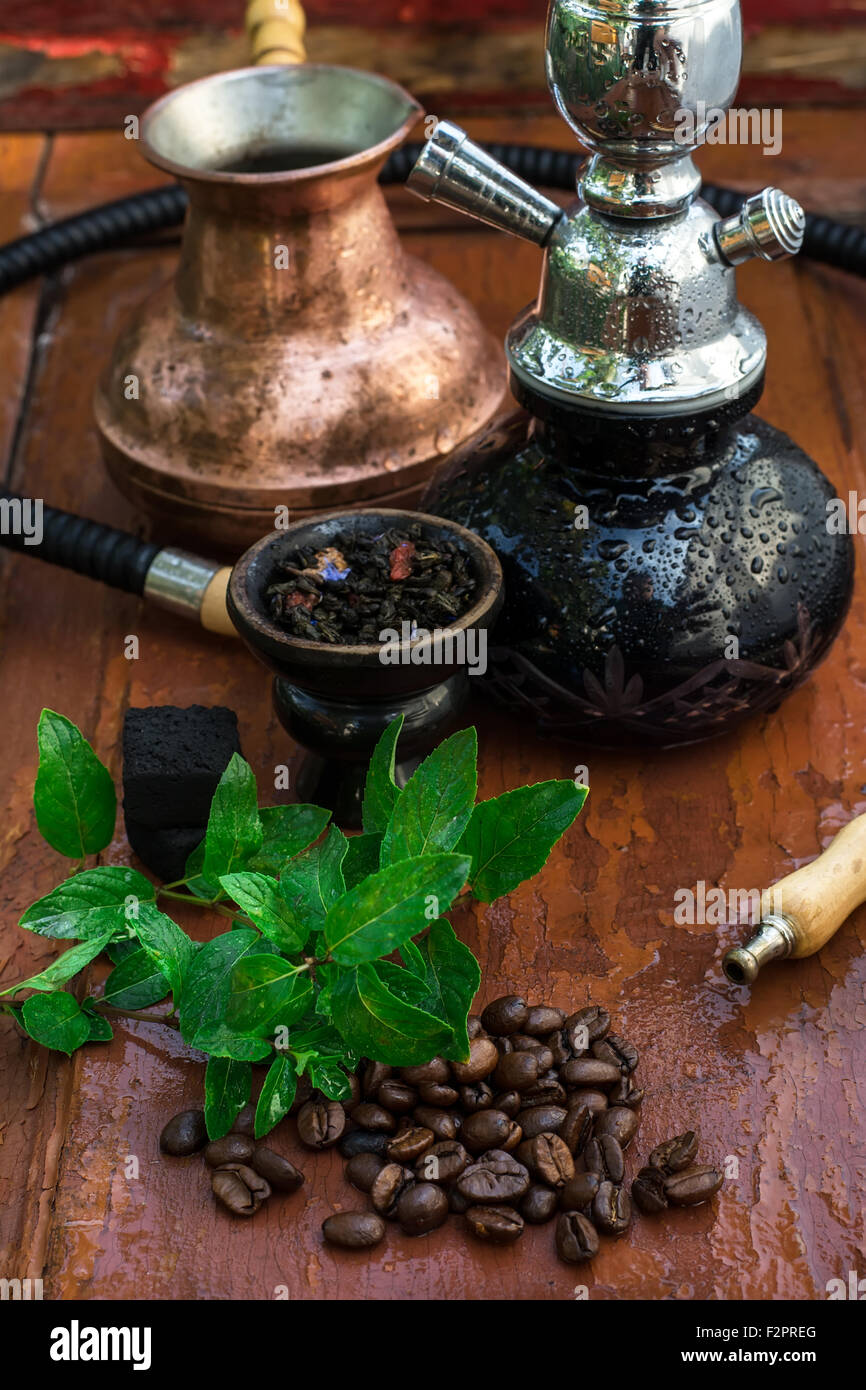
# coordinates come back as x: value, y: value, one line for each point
x: 770, y: 225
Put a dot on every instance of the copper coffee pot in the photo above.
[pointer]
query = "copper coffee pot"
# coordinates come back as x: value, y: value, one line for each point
x: 299, y: 358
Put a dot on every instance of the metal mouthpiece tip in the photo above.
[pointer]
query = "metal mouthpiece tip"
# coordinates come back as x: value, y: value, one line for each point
x: 740, y: 966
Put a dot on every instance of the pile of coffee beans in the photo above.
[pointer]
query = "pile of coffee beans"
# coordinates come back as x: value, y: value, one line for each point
x: 244, y: 1174
x: 532, y: 1128
x: 360, y: 585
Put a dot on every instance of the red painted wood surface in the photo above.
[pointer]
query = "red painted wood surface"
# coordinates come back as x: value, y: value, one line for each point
x: 774, y: 1079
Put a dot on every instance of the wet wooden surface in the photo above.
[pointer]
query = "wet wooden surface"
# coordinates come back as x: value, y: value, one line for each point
x: 775, y: 1081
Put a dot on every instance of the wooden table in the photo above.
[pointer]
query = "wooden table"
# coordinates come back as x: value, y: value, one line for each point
x: 774, y: 1081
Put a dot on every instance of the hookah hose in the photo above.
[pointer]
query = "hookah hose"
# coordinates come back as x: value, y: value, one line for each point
x: 183, y: 583
x: 114, y: 224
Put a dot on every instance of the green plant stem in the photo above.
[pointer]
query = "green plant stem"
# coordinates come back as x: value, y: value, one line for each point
x: 139, y: 1014
x: 201, y: 902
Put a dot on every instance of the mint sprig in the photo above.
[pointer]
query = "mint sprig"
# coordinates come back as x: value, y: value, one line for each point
x: 334, y: 948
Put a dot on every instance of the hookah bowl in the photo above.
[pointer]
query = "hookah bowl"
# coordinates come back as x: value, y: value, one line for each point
x: 667, y: 557
x: 299, y: 358
x: 337, y: 700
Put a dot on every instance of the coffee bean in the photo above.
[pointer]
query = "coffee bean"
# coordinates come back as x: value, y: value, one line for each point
x: 500, y: 1179
x: 362, y: 1142
x: 537, y: 1049
x: 397, y: 1097
x: 575, y: 1131
x: 576, y: 1238
x: 353, y: 1230
x: 388, y: 1187
x: 497, y: 1225
x: 374, y: 1118
x: 184, y: 1134
x: 516, y: 1072
x: 692, y: 1186
x: 508, y: 1102
x: 445, y: 1124
x: 590, y: 1022
x: 538, y: 1204
x: 546, y: 1091
x: 245, y: 1122
x: 443, y: 1163
x: 282, y: 1175
x: 547, y: 1159
x: 595, y: 1101
x: 474, y: 1026
x: 505, y: 1015
x: 504, y: 1046
x: 611, y: 1209
x: 615, y: 1049
x: 542, y: 1020
x: 363, y: 1170
x: 541, y: 1119
x: 478, y: 1096
x: 603, y: 1156
x: 488, y: 1129
x: 648, y: 1191
x: 374, y: 1075
x: 432, y: 1072
x: 321, y: 1123
x: 590, y: 1071
x: 624, y: 1093
x: 579, y: 1192
x: 483, y: 1056
x: 234, y: 1148
x: 354, y: 1097
x: 457, y: 1202
x: 438, y: 1094
x: 675, y: 1154
x: 303, y: 1093
x: 405, y: 1148
x: 239, y: 1188
x: 422, y: 1208
x: 621, y: 1123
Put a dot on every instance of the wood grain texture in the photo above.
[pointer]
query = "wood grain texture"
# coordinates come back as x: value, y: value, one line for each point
x: 775, y: 1081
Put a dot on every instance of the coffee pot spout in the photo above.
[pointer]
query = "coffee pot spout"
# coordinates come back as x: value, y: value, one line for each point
x: 455, y: 171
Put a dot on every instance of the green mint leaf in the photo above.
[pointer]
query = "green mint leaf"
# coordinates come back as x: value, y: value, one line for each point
x: 227, y: 1086
x: 193, y: 874
x: 135, y: 983
x: 380, y: 789
x: 168, y: 946
x: 221, y: 1040
x: 267, y: 993
x: 287, y: 830
x: 434, y: 807
x: 392, y: 905
x: 99, y: 1028
x: 453, y: 980
x: 405, y: 985
x: 375, y: 1023
x: 119, y: 950
x: 327, y: 1075
x: 362, y: 858
x: 260, y: 898
x: 327, y: 975
x: 90, y: 904
x: 510, y: 836
x: 55, y: 1021
x: 207, y: 984
x: 277, y: 1096
x: 74, y: 796
x: 62, y: 969
x: 313, y: 883
x: 234, y: 830
x: 413, y: 959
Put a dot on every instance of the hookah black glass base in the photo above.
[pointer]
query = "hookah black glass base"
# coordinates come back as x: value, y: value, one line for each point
x: 669, y: 565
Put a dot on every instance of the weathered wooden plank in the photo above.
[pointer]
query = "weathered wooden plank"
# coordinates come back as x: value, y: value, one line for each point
x: 773, y: 1084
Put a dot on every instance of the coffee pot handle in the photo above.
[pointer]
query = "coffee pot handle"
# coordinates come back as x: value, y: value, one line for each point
x: 275, y: 29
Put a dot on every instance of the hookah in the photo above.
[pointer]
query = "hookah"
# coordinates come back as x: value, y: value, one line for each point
x: 668, y: 565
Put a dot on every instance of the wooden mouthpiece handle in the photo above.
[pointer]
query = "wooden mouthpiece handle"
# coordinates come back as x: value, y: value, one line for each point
x: 800, y: 913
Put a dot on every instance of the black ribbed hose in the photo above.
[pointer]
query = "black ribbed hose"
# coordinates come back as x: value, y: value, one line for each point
x: 87, y: 547
x: 113, y: 224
